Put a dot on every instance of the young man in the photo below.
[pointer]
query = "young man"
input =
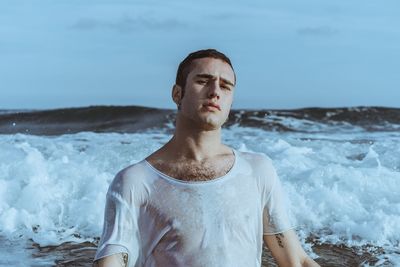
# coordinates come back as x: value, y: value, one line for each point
x: 197, y: 202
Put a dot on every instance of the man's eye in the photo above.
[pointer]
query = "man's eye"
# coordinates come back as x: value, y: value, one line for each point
x: 201, y: 82
x: 225, y: 87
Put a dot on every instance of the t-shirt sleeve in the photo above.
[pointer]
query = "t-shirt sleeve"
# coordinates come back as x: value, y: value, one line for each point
x: 120, y: 230
x: 276, y: 213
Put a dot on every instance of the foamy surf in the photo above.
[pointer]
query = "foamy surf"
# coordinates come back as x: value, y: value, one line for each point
x: 342, y: 184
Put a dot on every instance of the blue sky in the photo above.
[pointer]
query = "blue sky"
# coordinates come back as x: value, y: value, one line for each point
x: 287, y: 54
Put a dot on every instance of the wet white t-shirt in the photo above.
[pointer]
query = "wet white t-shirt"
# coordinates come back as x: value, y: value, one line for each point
x: 160, y: 221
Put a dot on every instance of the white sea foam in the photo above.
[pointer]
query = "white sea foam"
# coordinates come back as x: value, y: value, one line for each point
x: 343, y: 187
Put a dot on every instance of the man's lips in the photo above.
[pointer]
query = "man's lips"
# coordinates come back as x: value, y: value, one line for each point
x: 212, y: 105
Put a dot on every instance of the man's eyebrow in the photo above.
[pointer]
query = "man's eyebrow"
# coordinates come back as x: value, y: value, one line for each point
x: 209, y: 76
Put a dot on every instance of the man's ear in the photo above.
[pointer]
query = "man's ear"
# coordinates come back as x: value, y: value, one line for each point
x: 177, y: 94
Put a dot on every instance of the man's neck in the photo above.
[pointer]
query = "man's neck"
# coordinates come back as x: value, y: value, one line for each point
x: 194, y: 142
x: 194, y: 148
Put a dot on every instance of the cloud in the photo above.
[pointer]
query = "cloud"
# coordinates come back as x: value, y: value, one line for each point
x: 223, y: 16
x: 128, y: 24
x: 317, y: 31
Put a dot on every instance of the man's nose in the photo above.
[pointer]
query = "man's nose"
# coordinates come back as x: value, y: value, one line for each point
x: 214, y: 89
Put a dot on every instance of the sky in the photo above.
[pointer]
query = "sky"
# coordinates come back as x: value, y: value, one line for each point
x: 286, y: 54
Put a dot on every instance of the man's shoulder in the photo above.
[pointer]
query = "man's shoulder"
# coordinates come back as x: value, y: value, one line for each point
x: 262, y: 165
x: 128, y: 178
x: 256, y: 159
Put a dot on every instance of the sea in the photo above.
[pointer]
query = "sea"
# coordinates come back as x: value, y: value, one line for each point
x: 340, y: 168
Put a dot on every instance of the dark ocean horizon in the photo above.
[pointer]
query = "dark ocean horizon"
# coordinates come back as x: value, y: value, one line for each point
x: 129, y: 119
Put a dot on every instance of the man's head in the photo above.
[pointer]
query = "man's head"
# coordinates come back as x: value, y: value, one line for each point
x: 187, y: 65
x: 205, y: 78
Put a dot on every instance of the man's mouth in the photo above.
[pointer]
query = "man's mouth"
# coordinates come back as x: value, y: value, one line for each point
x: 212, y: 105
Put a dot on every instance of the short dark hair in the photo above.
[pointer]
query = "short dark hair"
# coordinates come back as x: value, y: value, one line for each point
x: 184, y: 66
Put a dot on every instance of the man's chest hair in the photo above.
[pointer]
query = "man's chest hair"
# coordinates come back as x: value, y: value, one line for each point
x: 189, y: 171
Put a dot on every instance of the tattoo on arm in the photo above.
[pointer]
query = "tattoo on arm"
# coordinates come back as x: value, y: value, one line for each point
x: 279, y: 239
x: 124, y: 260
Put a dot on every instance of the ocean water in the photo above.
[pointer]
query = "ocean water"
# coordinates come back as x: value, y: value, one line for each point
x: 340, y: 169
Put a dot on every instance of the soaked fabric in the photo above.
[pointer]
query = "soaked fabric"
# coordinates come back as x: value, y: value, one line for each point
x: 160, y: 221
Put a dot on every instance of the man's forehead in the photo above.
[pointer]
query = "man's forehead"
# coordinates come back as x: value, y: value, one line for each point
x: 213, y: 67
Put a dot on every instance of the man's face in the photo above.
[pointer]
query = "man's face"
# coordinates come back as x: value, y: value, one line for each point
x: 210, y: 81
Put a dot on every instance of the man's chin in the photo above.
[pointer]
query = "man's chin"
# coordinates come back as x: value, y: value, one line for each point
x: 211, y: 125
x: 208, y: 123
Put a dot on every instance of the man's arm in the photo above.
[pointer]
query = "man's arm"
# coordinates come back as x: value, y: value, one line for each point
x: 287, y: 250
x: 116, y: 260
